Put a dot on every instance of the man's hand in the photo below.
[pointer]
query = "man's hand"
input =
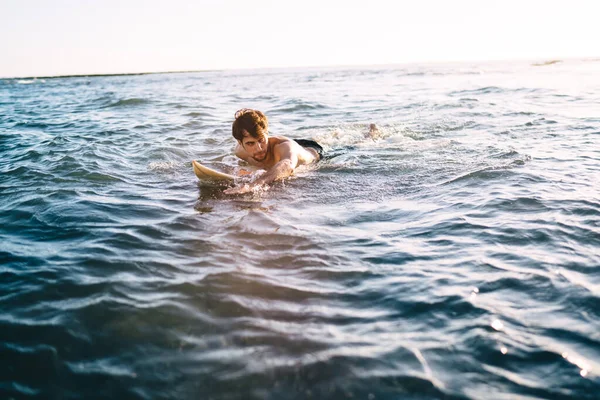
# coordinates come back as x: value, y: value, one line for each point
x: 244, y: 172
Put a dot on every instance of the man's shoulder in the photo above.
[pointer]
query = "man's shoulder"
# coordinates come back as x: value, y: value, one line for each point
x: 280, y: 139
x: 285, y: 144
x: 239, y: 150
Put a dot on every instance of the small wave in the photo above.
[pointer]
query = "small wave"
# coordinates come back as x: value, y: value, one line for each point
x: 32, y: 125
x: 490, y: 171
x: 541, y: 121
x: 448, y: 72
x: 518, y: 114
x: 419, y: 73
x: 196, y: 114
x: 129, y: 102
x: 295, y: 106
x: 508, y: 154
x: 162, y: 166
x: 178, y: 106
x: 544, y: 63
x: 84, y: 174
x: 483, y: 90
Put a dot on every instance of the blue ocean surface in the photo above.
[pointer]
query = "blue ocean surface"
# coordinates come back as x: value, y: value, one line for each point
x: 454, y: 255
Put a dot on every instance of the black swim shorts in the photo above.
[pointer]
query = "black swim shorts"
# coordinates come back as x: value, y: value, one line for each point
x: 312, y: 144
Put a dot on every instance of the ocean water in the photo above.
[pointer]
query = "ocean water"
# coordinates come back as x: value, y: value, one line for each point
x: 456, y: 255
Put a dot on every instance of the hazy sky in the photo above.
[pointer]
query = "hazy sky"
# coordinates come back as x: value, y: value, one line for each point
x: 44, y: 37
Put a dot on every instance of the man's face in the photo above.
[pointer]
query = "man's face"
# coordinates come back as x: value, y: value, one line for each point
x: 257, y: 148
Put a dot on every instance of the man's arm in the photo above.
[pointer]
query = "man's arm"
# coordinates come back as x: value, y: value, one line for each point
x: 288, y: 161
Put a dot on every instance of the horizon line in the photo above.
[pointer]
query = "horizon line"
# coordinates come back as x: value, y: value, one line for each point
x: 546, y: 61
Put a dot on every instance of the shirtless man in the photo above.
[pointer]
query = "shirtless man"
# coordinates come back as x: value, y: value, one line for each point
x: 278, y: 155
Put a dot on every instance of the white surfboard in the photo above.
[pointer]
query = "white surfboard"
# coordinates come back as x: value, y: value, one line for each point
x: 208, y: 174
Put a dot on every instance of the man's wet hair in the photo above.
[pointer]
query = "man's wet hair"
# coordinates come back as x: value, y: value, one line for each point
x: 252, y: 121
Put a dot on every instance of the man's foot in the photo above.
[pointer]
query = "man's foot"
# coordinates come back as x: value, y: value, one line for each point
x: 373, y: 132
